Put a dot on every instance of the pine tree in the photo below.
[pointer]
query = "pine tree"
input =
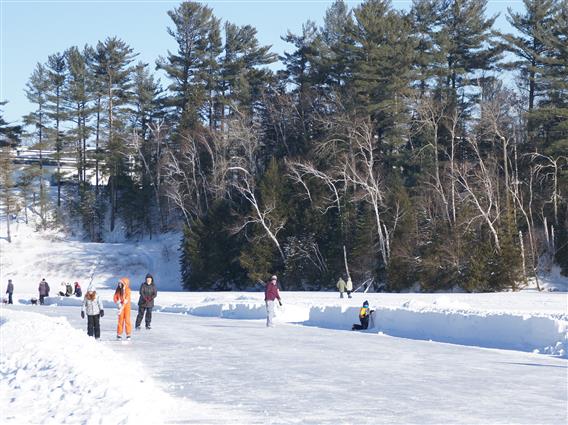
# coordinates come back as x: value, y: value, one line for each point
x: 187, y: 67
x: 56, y: 67
x: 242, y: 76
x: 7, y: 197
x: 11, y: 133
x: 36, y: 92
x: 382, y: 68
x: 115, y: 57
x: 78, y: 98
x: 527, y: 46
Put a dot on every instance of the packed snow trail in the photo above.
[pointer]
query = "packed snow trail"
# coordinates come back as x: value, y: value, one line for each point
x: 296, y: 374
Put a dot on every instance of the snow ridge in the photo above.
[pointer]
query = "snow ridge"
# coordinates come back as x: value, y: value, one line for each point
x: 53, y: 373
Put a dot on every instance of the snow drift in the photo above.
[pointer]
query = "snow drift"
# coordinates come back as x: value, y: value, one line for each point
x: 53, y: 373
x: 441, y: 321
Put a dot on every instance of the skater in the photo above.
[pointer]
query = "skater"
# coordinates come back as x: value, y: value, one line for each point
x: 122, y: 300
x: 10, y: 291
x: 94, y: 308
x: 341, y: 286
x: 68, y: 290
x: 43, y: 290
x: 148, y: 292
x: 271, y: 294
x: 78, y: 291
x: 62, y: 289
x: 364, y: 314
x: 349, y: 286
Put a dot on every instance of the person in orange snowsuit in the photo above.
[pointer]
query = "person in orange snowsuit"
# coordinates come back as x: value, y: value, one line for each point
x: 122, y: 301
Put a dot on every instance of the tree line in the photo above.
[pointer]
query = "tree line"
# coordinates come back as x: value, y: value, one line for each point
x: 394, y: 147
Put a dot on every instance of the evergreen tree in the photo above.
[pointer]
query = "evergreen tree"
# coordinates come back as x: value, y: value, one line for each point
x: 194, y: 24
x: 115, y: 57
x: 10, y: 133
x: 7, y: 198
x: 36, y: 92
x: 78, y: 97
x: 527, y: 46
x: 242, y: 78
x: 55, y: 110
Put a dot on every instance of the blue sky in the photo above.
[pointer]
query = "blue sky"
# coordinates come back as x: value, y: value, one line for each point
x: 31, y: 30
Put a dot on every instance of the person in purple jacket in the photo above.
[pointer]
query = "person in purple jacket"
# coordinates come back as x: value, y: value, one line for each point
x: 270, y: 295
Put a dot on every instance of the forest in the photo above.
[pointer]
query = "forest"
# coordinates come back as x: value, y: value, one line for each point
x: 396, y: 147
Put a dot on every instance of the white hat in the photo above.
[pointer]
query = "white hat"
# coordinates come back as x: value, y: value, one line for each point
x: 91, y: 288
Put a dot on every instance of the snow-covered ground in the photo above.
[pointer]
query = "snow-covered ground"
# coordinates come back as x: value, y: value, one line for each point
x: 247, y: 374
x: 506, y: 361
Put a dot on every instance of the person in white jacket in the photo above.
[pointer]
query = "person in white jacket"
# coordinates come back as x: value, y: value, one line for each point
x: 93, y: 306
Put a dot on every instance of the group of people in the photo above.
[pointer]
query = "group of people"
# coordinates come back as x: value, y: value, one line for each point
x: 272, y: 294
x: 93, y: 308
x: 66, y: 290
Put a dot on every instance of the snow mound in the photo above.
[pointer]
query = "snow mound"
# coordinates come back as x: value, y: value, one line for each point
x: 443, y: 319
x: 68, y: 377
x: 543, y: 333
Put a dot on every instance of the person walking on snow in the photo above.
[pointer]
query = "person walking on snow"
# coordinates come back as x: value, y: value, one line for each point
x: 148, y: 292
x: 349, y: 286
x: 10, y: 291
x: 93, y: 306
x: 122, y: 301
x: 341, y: 286
x: 271, y: 294
x: 364, y: 315
x: 78, y: 291
x: 43, y: 290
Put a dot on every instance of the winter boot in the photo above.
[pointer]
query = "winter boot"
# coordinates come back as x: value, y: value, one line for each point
x: 137, y: 328
x: 119, y: 337
x: 148, y: 327
x: 128, y: 337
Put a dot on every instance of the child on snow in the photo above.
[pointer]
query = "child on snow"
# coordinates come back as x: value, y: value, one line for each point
x: 62, y: 289
x: 122, y: 300
x: 78, y: 291
x: 364, y: 315
x: 94, y: 308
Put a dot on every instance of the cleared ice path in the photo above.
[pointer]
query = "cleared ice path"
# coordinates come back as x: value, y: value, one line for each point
x: 295, y: 374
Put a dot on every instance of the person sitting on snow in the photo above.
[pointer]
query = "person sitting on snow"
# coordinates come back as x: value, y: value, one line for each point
x: 68, y: 290
x: 364, y: 315
x: 78, y: 291
x: 62, y: 289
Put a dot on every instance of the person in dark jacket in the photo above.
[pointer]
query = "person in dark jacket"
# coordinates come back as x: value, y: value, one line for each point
x: 43, y: 290
x: 271, y: 294
x: 10, y: 291
x: 78, y: 291
x: 364, y: 315
x: 148, y: 292
x: 68, y: 290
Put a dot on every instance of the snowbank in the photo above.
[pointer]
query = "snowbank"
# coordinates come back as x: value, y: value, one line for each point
x: 53, y: 373
x: 538, y: 333
x: 442, y: 320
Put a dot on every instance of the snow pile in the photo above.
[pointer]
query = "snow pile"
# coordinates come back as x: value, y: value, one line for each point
x: 443, y: 318
x: 53, y: 373
x: 505, y: 330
